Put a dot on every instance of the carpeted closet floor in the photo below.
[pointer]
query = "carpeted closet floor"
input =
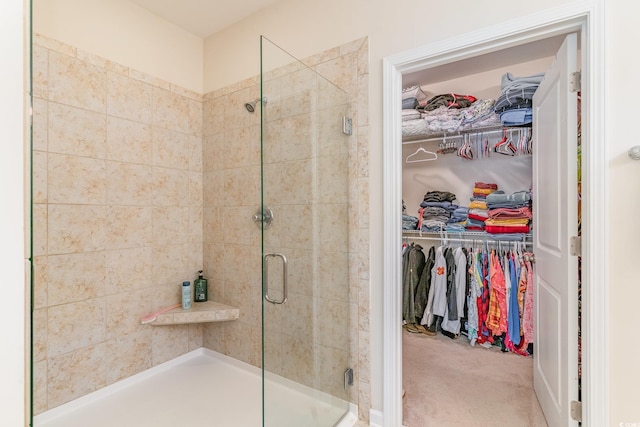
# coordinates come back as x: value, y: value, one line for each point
x: 449, y: 383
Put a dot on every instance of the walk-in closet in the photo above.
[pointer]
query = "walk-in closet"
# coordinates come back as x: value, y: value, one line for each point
x: 490, y: 184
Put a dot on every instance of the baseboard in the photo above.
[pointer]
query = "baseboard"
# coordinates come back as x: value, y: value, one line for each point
x: 375, y: 418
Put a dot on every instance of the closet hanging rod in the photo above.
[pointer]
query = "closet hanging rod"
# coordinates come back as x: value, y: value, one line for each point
x: 461, y: 134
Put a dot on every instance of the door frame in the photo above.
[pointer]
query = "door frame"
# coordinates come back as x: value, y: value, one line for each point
x: 586, y: 16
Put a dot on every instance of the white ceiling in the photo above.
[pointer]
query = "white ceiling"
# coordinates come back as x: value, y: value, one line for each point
x: 203, y: 17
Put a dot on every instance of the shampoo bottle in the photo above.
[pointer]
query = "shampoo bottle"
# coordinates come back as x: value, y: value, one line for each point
x: 200, y: 285
x: 186, y: 295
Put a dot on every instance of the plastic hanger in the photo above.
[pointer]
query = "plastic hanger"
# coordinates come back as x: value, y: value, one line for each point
x: 419, y: 151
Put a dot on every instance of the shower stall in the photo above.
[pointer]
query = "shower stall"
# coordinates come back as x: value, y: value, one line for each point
x: 138, y: 184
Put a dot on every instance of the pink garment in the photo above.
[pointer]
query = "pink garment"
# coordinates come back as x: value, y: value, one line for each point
x: 497, y: 317
x: 527, y: 317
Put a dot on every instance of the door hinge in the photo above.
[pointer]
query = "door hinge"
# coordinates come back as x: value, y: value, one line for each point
x: 576, y: 411
x: 575, y: 246
x: 574, y: 82
x: 347, y: 128
x: 348, y: 377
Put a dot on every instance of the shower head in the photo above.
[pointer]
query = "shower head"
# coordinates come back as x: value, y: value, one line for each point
x: 251, y: 106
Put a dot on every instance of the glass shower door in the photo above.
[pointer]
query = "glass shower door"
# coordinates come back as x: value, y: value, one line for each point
x: 306, y: 311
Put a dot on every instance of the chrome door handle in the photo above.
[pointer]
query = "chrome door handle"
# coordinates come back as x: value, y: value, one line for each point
x: 265, y: 278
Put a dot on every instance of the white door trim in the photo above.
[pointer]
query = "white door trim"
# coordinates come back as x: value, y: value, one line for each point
x: 587, y: 16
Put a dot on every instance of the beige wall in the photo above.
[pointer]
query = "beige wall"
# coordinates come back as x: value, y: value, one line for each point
x: 624, y: 196
x: 117, y: 193
x: 125, y: 33
x: 14, y: 387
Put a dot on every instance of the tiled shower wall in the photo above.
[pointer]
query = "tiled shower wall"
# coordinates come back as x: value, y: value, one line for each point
x: 136, y: 183
x: 117, y: 177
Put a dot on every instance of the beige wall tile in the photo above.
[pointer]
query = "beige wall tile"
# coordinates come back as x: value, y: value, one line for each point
x: 243, y: 341
x: 76, y: 228
x: 76, y: 180
x: 242, y: 186
x: 64, y: 381
x: 238, y: 226
x: 39, y: 177
x: 175, y: 112
x: 244, y: 149
x: 129, y: 184
x: 168, y: 266
x: 40, y: 387
x: 128, y: 98
x: 76, y: 131
x: 298, y: 358
x: 40, y: 281
x: 40, y: 233
x: 213, y: 148
x: 123, y: 313
x: 170, y: 187
x: 299, y: 229
x: 171, y: 148
x: 195, y: 154
x: 235, y: 115
x: 76, y: 277
x: 40, y: 70
x: 333, y: 276
x: 170, y: 225
x: 196, y: 225
x: 129, y: 141
x: 169, y: 342
x: 212, y: 185
x: 298, y: 317
x: 39, y: 343
x: 333, y: 325
x: 77, y: 83
x: 244, y: 297
x: 213, y: 116
x: 128, y: 269
x: 40, y: 124
x: 128, y: 227
x: 195, y: 188
x: 75, y: 326
x: 127, y: 355
x: 195, y: 336
x: 330, y: 370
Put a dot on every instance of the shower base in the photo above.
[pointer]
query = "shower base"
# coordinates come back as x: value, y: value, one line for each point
x: 200, y: 389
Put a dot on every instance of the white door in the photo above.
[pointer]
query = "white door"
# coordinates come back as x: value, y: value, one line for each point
x: 555, y: 221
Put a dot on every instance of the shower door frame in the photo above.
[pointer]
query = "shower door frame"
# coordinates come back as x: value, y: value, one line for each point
x: 305, y: 181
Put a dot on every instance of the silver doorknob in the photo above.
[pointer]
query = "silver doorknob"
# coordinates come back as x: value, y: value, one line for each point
x: 634, y: 152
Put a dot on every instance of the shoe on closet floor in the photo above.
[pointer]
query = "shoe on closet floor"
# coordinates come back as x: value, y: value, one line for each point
x: 425, y: 331
x: 411, y: 327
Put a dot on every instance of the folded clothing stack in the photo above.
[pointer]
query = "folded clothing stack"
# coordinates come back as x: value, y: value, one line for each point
x: 509, y: 213
x: 436, y: 210
x: 478, y: 210
x: 413, y: 97
x: 515, y: 104
x: 409, y: 222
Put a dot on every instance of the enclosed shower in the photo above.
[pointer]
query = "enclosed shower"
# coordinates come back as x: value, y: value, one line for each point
x: 137, y: 185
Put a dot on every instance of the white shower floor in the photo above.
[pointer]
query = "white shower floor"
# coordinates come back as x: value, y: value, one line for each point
x: 200, y: 389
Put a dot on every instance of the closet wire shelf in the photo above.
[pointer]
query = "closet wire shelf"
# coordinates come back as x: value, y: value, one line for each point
x: 473, y: 237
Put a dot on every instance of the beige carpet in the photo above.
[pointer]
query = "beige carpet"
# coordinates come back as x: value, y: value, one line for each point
x: 450, y: 383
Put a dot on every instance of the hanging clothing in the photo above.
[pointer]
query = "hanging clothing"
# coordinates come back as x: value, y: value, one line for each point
x: 422, y: 291
x: 450, y: 324
x: 497, y: 316
x: 437, y: 300
x: 413, y: 264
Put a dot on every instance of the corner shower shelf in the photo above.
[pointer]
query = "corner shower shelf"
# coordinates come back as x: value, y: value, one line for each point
x: 200, y: 312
